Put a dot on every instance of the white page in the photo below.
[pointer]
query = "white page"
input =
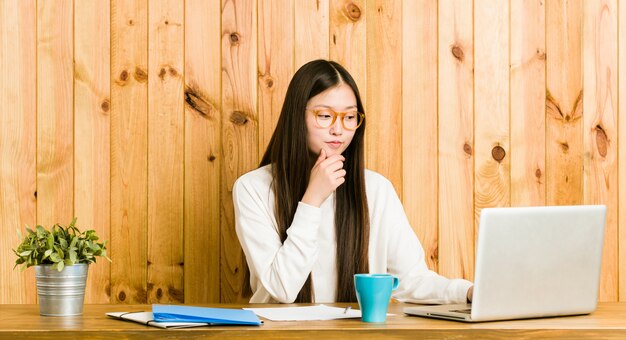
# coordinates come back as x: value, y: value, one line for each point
x: 320, y: 312
x: 146, y: 318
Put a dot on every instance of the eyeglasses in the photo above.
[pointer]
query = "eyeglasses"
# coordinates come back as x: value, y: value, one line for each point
x: 325, y: 118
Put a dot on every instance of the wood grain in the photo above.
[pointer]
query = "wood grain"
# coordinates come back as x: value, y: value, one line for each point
x: 312, y: 27
x: 419, y: 123
x: 348, y: 37
x: 528, y: 113
x: 165, y: 151
x: 18, y: 112
x: 456, y: 139
x: 384, y: 90
x: 607, y: 322
x: 92, y: 107
x: 600, y: 128
x: 491, y: 106
x: 621, y: 148
x: 55, y: 115
x: 129, y: 151
x: 275, y: 63
x: 157, y: 168
x: 239, y: 129
x: 564, y: 94
x: 202, y: 152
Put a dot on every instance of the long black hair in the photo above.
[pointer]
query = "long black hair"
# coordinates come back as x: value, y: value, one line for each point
x: 289, y: 155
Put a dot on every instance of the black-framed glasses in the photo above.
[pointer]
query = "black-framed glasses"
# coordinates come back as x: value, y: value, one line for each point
x: 325, y: 118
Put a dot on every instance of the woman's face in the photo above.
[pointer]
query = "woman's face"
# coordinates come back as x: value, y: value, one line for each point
x: 335, y: 139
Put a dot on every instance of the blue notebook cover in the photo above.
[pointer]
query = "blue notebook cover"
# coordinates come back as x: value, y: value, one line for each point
x: 224, y: 316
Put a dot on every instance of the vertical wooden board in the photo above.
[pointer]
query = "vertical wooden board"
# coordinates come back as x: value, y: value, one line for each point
x: 622, y: 153
x: 129, y: 151
x: 456, y: 139
x: 564, y: 94
x: 419, y: 122
x: 92, y: 133
x: 55, y: 89
x: 202, y: 151
x: 165, y: 151
x: 600, y: 128
x: 18, y: 116
x: 383, y: 150
x: 528, y: 117
x: 491, y: 105
x: 275, y: 63
x: 312, y: 27
x: 239, y: 129
x: 348, y: 45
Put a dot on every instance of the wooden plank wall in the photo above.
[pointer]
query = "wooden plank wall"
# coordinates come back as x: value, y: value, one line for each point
x: 138, y: 116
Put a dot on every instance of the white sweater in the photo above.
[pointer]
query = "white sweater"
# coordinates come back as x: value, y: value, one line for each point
x: 278, y: 270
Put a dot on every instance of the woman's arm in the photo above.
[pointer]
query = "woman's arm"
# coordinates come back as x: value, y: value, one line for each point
x: 281, y: 268
x: 405, y: 258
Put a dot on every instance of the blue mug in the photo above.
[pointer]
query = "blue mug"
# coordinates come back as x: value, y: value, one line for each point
x: 373, y: 292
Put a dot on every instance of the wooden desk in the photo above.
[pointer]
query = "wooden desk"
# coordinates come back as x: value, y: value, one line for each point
x: 24, y: 322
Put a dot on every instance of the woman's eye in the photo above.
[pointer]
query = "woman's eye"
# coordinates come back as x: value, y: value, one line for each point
x: 324, y: 116
x: 350, y: 117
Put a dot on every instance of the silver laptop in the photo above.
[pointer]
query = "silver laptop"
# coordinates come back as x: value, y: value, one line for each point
x: 532, y: 262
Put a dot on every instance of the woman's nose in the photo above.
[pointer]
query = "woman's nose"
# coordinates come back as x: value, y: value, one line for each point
x: 336, y: 128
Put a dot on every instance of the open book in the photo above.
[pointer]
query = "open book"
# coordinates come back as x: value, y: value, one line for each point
x: 147, y: 318
x: 180, y: 316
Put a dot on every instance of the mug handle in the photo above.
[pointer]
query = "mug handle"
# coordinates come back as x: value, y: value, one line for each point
x: 396, y: 282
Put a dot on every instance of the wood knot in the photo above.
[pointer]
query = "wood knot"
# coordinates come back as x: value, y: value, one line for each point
x: 162, y: 73
x: 434, y: 256
x: 121, y: 296
x: 538, y: 173
x: 105, y: 106
x: 124, y: 76
x: 541, y: 55
x: 234, y: 38
x: 353, y: 12
x: 564, y: 147
x: 211, y: 158
x: 269, y: 82
x: 140, y: 75
x: 458, y: 53
x: 498, y: 153
x: 35, y: 194
x: 173, y: 72
x: 167, y: 22
x: 131, y: 22
x: 238, y: 118
x: 467, y: 149
x: 176, y: 294
x: 380, y: 9
x: 196, y: 102
x: 602, y: 141
x: 159, y: 293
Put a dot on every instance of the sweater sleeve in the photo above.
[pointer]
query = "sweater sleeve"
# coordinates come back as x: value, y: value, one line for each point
x: 281, y: 268
x: 405, y: 259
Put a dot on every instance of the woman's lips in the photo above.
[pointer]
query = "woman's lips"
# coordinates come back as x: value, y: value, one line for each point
x: 335, y: 144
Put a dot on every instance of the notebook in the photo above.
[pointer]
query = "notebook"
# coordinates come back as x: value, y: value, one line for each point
x: 532, y: 262
x: 181, y: 316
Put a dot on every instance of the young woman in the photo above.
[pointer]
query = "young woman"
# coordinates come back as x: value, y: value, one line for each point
x: 310, y: 217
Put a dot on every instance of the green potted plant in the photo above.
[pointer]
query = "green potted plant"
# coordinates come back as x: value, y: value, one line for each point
x: 61, y: 256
